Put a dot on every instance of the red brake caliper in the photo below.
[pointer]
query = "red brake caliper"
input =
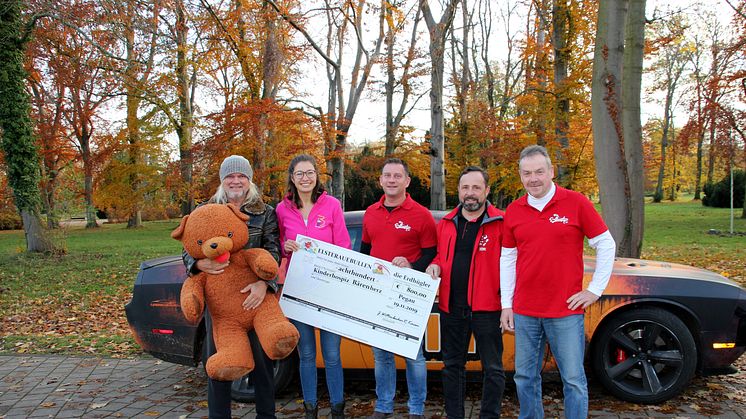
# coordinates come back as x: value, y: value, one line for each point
x: 621, y: 356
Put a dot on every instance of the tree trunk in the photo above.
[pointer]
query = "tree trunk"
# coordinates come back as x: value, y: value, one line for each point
x: 674, y: 66
x: 37, y: 239
x: 389, y: 87
x: 674, y: 173
x: 560, y: 34
x: 133, y: 123
x: 743, y: 213
x: 85, y: 151
x: 438, y: 32
x: 711, y: 152
x: 186, y: 118
x: 17, y: 140
x: 540, y: 70
x: 608, y: 138
x: 90, y: 210
x: 658, y: 196
x: 698, y: 179
x: 632, y: 127
x: 437, y: 145
x: 464, y: 82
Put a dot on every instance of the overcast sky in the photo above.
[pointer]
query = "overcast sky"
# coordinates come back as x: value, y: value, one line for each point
x: 369, y: 122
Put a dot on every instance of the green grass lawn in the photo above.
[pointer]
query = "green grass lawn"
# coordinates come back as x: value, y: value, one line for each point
x: 680, y: 232
x: 75, y: 303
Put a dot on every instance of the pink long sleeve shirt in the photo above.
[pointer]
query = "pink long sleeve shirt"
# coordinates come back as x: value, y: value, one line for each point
x: 325, y: 222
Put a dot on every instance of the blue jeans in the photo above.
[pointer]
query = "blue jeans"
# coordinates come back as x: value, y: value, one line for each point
x: 456, y: 328
x: 385, y: 370
x: 332, y: 364
x: 567, y: 342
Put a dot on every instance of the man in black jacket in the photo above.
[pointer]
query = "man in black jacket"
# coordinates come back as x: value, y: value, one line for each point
x: 237, y: 188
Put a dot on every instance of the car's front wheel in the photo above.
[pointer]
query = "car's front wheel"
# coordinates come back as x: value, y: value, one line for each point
x: 644, y: 355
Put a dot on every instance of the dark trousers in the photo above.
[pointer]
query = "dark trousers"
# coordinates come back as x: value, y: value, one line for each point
x: 219, y: 392
x: 455, y: 330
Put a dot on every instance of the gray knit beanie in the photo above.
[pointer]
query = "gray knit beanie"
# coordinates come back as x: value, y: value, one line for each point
x: 235, y: 164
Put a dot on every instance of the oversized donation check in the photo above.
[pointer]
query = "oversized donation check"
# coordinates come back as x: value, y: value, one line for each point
x: 358, y: 296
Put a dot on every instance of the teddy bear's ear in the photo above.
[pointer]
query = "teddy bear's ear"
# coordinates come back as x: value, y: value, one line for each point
x: 238, y: 212
x: 179, y: 232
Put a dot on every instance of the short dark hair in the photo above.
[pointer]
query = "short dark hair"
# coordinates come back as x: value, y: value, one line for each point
x: 394, y: 160
x: 470, y: 169
x: 318, y: 188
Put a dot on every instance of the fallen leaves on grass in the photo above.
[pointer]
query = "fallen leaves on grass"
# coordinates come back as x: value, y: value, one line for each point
x: 67, y: 323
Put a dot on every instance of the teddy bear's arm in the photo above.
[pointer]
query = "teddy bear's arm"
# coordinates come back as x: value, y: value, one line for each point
x: 193, y: 297
x: 261, y: 263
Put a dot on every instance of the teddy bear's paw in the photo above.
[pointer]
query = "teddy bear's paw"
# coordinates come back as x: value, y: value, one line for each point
x: 228, y: 373
x: 266, y: 274
x: 285, y: 346
x: 192, y: 309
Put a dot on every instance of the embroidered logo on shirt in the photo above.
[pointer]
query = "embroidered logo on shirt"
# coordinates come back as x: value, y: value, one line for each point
x: 401, y: 226
x: 483, y: 243
x: 320, y: 221
x: 557, y: 219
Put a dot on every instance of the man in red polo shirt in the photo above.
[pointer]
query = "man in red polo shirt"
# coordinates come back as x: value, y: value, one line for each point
x: 541, y: 281
x: 399, y: 230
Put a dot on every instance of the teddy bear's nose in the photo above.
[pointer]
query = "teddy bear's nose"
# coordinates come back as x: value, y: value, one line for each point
x: 213, y: 245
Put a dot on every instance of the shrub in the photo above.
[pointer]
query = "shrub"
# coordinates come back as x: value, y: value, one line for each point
x: 10, y: 220
x: 718, y: 194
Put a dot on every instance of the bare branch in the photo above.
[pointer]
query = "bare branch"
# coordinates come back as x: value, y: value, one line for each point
x: 285, y: 16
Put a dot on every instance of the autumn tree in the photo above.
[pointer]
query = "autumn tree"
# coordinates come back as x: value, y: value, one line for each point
x: 438, y: 30
x: 345, y: 32
x: 76, y: 61
x: 672, y: 60
x: 182, y: 81
x: 403, y: 66
x: 249, y: 76
x: 18, y: 145
x: 48, y: 109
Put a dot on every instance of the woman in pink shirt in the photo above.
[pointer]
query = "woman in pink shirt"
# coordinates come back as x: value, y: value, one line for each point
x: 308, y: 210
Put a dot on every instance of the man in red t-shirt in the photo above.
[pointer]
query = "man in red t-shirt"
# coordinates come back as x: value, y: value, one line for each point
x: 541, y: 281
x: 399, y: 230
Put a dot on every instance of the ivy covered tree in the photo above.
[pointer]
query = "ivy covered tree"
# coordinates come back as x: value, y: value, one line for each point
x: 17, y: 139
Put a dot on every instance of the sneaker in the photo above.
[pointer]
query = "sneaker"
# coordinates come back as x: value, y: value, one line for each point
x: 381, y: 415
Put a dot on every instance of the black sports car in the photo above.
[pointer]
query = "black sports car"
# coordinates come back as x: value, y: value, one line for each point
x: 655, y: 326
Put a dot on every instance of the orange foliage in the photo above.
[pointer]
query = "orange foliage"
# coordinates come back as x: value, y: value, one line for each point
x: 496, y: 143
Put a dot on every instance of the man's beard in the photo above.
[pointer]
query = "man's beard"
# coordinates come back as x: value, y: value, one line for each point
x: 472, y: 205
x: 235, y: 196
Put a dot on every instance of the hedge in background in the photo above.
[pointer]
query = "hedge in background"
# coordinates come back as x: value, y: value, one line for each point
x: 718, y: 194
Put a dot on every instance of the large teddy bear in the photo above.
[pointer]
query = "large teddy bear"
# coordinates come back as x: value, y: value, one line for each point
x: 218, y: 232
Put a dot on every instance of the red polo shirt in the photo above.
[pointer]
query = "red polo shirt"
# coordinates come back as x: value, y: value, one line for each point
x: 549, y: 268
x: 404, y: 231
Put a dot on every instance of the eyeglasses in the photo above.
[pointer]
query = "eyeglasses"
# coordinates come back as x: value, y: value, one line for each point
x: 308, y: 173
